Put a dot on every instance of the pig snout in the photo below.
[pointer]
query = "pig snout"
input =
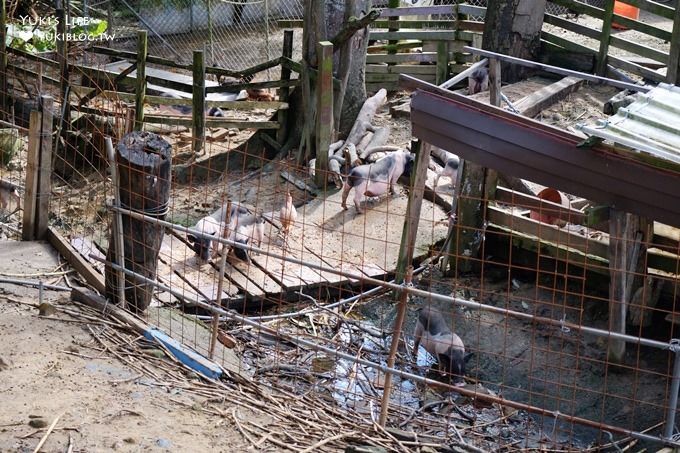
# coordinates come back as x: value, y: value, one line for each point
x: 202, y: 245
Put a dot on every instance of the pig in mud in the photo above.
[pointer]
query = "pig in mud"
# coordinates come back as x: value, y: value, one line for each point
x: 375, y: 179
x: 214, y: 225
x: 441, y: 343
x: 478, y: 81
x: 450, y: 170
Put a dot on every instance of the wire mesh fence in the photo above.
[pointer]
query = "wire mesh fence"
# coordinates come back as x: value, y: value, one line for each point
x: 287, y: 289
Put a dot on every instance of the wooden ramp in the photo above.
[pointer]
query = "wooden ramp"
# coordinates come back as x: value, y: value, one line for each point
x: 364, y: 245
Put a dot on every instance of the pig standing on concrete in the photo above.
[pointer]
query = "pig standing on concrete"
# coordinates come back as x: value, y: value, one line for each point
x: 213, y: 224
x: 478, y: 81
x: 450, y: 170
x: 375, y: 179
x: 440, y: 342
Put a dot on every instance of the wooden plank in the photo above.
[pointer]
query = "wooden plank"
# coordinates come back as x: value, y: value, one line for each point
x: 210, y: 122
x: 417, y: 24
x: 536, y: 102
x: 424, y: 57
x: 79, y: 263
x: 429, y: 35
x: 418, y: 10
x: 399, y: 69
x: 673, y: 75
x: 521, y: 200
x: 284, y: 92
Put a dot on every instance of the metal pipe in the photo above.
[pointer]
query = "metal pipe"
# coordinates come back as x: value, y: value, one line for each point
x: 414, y: 291
x: 117, y: 224
x: 233, y: 316
x: 675, y: 386
x: 14, y: 281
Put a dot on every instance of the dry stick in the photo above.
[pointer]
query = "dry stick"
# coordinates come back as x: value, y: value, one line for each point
x: 329, y: 440
x: 47, y: 433
x: 240, y: 428
x: 398, y: 324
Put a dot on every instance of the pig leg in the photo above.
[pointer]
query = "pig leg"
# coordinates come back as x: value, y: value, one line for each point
x: 416, y: 341
x: 345, y: 191
x: 358, y: 194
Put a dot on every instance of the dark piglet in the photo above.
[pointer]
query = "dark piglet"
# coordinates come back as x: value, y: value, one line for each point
x: 478, y: 81
x: 377, y: 178
x: 8, y: 191
x: 437, y: 339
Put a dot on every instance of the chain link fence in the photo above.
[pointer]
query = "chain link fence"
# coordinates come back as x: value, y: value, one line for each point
x: 234, y: 34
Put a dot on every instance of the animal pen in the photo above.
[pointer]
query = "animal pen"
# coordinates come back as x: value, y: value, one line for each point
x: 566, y: 305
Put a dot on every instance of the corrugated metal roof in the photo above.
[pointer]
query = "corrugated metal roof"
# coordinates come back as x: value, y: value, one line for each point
x: 651, y: 124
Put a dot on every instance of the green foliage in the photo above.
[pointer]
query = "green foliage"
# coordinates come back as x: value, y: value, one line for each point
x: 43, y: 38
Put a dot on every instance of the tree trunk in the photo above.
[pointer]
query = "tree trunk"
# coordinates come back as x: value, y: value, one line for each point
x: 513, y: 27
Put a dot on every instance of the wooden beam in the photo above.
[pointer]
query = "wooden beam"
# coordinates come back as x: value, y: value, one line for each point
x: 32, y: 164
x: 75, y: 259
x: 284, y: 92
x: 463, y: 75
x: 324, y: 111
x: 533, y: 104
x: 517, y: 199
x: 44, y: 182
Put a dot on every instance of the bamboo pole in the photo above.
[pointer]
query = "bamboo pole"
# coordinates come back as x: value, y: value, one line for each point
x: 198, y: 107
x: 140, y: 91
x: 324, y: 111
x: 396, y: 336
x: 223, y: 263
x: 117, y: 225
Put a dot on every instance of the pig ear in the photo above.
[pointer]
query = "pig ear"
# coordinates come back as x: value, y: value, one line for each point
x: 468, y: 356
x: 191, y: 238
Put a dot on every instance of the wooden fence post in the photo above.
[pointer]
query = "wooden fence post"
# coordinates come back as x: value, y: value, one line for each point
x: 607, y: 19
x: 32, y: 165
x: 144, y: 171
x: 284, y: 91
x: 140, y: 92
x: 44, y: 185
x: 198, y: 104
x: 415, y: 202
x: 442, y: 62
x: 324, y: 111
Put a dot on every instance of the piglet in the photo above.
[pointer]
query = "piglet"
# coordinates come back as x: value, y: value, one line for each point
x: 245, y: 228
x: 214, y: 225
x: 450, y: 170
x: 8, y: 191
x: 478, y: 81
x: 447, y: 347
x: 375, y: 179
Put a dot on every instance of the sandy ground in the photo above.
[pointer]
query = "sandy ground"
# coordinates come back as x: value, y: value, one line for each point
x: 51, y: 369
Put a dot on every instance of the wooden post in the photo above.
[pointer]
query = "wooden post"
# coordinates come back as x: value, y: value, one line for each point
x: 44, y: 186
x: 198, y: 104
x: 324, y: 111
x: 4, y: 111
x: 144, y: 169
x: 627, y: 261
x: 442, y: 62
x: 284, y: 92
x: 415, y: 202
x: 674, y: 52
x: 62, y: 56
x: 607, y: 19
x: 467, y: 235
x: 393, y: 25
x: 140, y: 92
x: 32, y: 165
x: 494, y: 82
